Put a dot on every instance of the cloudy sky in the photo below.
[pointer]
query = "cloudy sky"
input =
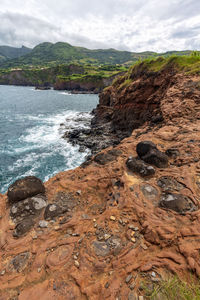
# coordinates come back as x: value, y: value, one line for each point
x: 134, y: 25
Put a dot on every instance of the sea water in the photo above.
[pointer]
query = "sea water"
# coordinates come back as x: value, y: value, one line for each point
x: 32, y: 123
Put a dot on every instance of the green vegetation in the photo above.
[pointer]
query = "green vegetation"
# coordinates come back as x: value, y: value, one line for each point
x: 65, y: 73
x: 49, y: 55
x: 7, y: 52
x: 189, y: 64
x: 172, y: 289
x: 49, y: 63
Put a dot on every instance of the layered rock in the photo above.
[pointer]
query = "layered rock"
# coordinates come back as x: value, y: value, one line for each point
x: 108, y: 227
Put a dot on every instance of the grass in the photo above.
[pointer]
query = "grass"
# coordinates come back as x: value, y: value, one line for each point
x: 189, y: 64
x: 172, y: 289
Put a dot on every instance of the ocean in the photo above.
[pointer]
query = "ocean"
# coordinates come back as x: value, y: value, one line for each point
x: 32, y: 123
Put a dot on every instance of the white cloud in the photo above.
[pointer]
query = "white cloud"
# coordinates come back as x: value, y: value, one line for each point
x: 152, y: 25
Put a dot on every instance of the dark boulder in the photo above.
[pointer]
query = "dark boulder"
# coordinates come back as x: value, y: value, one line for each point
x: 52, y: 211
x: 25, y: 188
x: 145, y: 147
x: 139, y: 167
x: 30, y: 207
x: 177, y: 202
x: 148, y: 152
x: 23, y: 227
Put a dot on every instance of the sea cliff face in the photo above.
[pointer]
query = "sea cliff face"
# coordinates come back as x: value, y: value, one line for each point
x: 131, y: 213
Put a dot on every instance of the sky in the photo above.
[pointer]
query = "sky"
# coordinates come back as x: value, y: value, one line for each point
x: 133, y: 25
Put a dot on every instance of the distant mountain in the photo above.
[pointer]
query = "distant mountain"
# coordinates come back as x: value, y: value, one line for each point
x: 7, y: 52
x: 63, y: 53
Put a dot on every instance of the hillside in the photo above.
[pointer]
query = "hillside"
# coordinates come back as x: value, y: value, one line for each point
x: 53, y: 54
x: 125, y: 224
x: 7, y: 52
x: 82, y: 78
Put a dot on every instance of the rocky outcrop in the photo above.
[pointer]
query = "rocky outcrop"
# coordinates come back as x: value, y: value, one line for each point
x: 86, y: 84
x: 107, y: 228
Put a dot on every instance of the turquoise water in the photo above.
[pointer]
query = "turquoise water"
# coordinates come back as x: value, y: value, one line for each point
x: 30, y: 133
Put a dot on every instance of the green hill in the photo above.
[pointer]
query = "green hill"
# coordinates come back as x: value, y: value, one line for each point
x: 49, y: 54
x: 7, y: 52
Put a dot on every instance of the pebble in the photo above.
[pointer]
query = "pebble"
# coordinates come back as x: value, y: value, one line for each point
x: 128, y: 278
x: 144, y: 246
x: 56, y: 228
x: 133, y: 240
x: 54, y: 286
x: 78, y: 192
x: 39, y: 270
x: 141, y: 298
x: 3, y: 272
x: 76, y: 263
x: 107, y: 285
x: 107, y: 236
x: 132, y: 286
x: 94, y: 220
x: 112, y: 218
x: 43, y: 224
x: 132, y: 233
x: 75, y: 257
x: 153, y: 274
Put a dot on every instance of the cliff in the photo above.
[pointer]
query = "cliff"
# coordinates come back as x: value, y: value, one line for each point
x: 119, y: 225
x: 71, y: 77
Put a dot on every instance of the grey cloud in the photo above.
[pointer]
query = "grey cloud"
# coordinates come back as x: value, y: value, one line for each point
x: 122, y: 24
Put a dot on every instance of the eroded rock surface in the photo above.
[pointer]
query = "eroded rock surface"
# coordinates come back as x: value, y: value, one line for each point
x: 116, y: 227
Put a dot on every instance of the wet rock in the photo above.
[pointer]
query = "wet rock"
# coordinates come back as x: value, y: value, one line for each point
x: 176, y: 202
x: 30, y: 207
x: 148, y: 152
x: 25, y: 188
x: 52, y: 211
x: 23, y: 227
x: 19, y: 262
x: 101, y: 248
x: 139, y: 167
x: 104, y: 158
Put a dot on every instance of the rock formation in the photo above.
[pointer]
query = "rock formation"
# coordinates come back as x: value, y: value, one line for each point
x: 130, y: 213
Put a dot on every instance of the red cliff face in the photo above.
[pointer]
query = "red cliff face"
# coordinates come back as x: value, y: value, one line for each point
x: 119, y: 226
x: 148, y: 97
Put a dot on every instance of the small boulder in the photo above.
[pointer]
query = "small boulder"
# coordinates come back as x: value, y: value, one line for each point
x: 177, y: 202
x: 52, y: 211
x: 25, y: 188
x: 23, y: 227
x: 148, y: 152
x: 30, y: 207
x: 139, y: 167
